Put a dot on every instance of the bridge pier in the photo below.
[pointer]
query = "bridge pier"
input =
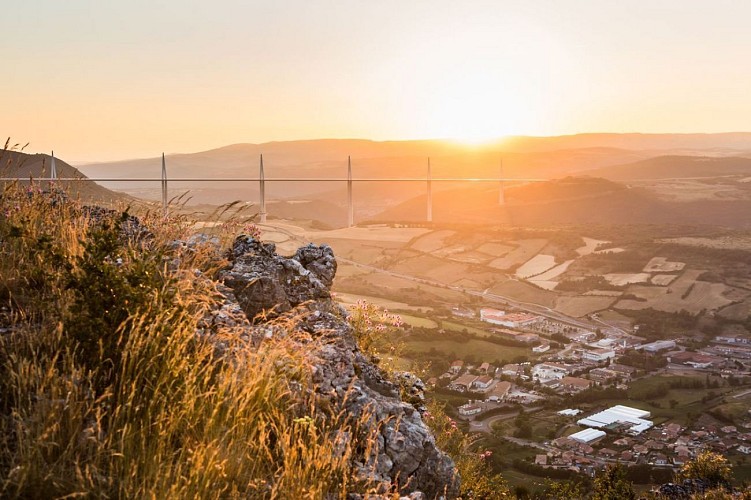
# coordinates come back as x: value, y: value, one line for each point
x: 350, y: 206
x: 501, y: 194
x: 165, y: 208
x: 430, y: 195
x: 262, y: 186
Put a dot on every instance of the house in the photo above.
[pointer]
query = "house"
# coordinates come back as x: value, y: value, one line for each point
x: 548, y: 371
x: 745, y: 448
x: 541, y: 460
x: 463, y: 383
x: 482, y: 383
x: 541, y: 348
x: 574, y: 384
x: 659, y: 459
x: 608, y: 453
x: 499, y: 391
x: 469, y: 409
x: 601, y: 375
x: 484, y: 368
x: 456, y: 366
x: 626, y: 456
x: 625, y: 372
x: 512, y: 370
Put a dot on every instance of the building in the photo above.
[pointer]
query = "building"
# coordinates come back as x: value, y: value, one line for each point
x: 625, y: 372
x: 484, y: 368
x: 694, y: 359
x: 499, y: 391
x: 463, y: 383
x: 597, y: 355
x: 602, y: 375
x: 587, y: 436
x: 633, y: 419
x: 732, y: 340
x: 526, y: 338
x: 541, y: 348
x: 512, y: 370
x: 482, y: 383
x: 572, y: 385
x: 569, y: 412
x: 490, y: 315
x: 548, y: 371
x: 660, y: 345
x: 516, y: 320
x: 469, y: 409
x: 456, y: 366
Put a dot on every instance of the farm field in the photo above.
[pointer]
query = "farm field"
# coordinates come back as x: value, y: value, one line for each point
x: 553, y: 273
x: 348, y: 299
x: 590, y: 245
x: 738, y: 312
x: 582, y: 305
x: 432, y: 241
x: 621, y: 279
x: 477, y: 349
x: 525, y: 292
x: 684, y: 294
x: 663, y: 279
x: 536, y: 265
x: 661, y: 264
x: 525, y: 250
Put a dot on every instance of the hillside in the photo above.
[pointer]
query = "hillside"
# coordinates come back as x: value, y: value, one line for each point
x: 24, y: 166
x: 676, y: 167
x: 573, y: 200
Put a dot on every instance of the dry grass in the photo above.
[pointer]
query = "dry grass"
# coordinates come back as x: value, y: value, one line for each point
x: 149, y: 408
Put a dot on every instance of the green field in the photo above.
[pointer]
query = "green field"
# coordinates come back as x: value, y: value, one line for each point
x: 480, y: 350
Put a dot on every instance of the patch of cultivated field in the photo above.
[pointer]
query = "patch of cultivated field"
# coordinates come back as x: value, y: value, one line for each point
x: 663, y: 279
x: 467, y: 283
x: 536, y: 265
x: 684, y: 294
x: 345, y: 270
x: 661, y: 265
x: 432, y: 241
x: 610, y: 250
x: 603, y: 293
x: 471, y: 257
x: 418, y: 321
x: 433, y: 268
x: 348, y: 299
x: 553, y: 273
x: 524, y: 292
x: 590, y: 245
x: 525, y: 250
x: 393, y: 234
x: 546, y: 285
x: 363, y: 254
x: 741, y: 242
x: 622, y: 279
x: 494, y: 249
x: 738, y: 312
x: 274, y: 236
x: 580, y: 305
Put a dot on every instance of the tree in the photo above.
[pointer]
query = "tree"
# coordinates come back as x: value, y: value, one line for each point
x: 709, y: 466
x: 611, y: 484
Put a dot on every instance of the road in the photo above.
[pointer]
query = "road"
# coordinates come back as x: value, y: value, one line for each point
x: 486, y: 425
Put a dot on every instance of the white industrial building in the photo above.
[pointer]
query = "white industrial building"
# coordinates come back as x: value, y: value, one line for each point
x: 587, y: 436
x: 660, y: 345
x: 633, y: 418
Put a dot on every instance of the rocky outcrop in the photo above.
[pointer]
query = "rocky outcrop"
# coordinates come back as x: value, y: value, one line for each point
x: 403, y: 450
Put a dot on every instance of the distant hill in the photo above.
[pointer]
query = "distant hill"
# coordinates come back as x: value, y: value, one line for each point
x: 573, y: 200
x: 25, y: 166
x: 669, y: 167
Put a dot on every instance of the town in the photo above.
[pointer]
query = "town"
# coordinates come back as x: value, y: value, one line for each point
x: 567, y: 407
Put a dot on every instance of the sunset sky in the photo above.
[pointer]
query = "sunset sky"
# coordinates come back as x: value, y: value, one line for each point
x: 99, y: 80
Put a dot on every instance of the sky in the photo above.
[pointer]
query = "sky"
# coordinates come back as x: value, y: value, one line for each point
x: 98, y: 80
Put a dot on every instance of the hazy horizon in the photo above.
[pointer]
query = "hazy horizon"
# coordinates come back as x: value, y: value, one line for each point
x: 99, y: 82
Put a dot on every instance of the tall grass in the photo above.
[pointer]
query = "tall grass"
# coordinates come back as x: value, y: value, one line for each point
x: 112, y: 385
